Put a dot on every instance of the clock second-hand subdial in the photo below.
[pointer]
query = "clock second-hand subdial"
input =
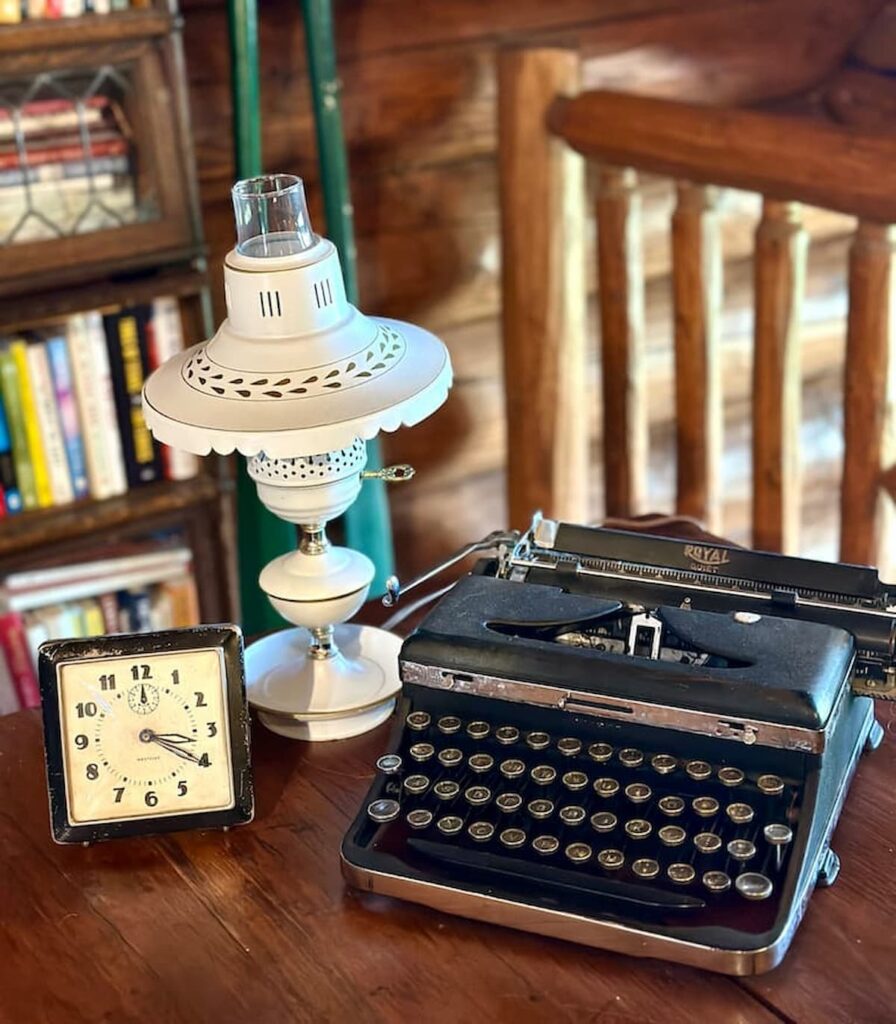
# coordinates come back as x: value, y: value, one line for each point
x: 172, y: 742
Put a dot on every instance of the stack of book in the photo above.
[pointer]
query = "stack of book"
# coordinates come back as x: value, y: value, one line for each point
x: 127, y: 588
x: 71, y: 424
x: 14, y: 11
x: 66, y: 168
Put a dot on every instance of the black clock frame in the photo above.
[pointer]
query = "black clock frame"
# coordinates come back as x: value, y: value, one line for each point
x: 226, y: 638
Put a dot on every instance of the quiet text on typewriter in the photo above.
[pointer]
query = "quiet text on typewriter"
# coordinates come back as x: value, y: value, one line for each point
x: 631, y: 742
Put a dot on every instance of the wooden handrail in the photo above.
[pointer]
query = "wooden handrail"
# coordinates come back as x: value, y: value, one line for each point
x: 784, y: 158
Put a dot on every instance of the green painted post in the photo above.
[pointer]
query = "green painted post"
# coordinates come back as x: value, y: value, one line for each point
x: 261, y: 536
x: 367, y: 525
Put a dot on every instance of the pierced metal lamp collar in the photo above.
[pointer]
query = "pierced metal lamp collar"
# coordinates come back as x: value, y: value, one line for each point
x: 296, y: 378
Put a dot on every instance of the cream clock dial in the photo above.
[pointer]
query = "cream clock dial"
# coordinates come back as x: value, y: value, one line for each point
x: 146, y: 733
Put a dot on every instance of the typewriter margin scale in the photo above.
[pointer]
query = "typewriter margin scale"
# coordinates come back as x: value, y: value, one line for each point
x: 744, y: 584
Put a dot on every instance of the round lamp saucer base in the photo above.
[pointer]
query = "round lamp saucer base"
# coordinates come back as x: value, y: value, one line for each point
x: 308, y: 698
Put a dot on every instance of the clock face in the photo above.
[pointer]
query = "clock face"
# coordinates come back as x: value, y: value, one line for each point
x: 145, y: 736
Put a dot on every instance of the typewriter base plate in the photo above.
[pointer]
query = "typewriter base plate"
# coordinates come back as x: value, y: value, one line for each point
x: 304, y: 698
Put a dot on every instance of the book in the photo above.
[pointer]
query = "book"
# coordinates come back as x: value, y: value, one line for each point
x: 128, y: 361
x: 14, y: 644
x: 10, y: 12
x: 47, y: 412
x: 109, y: 608
x: 9, y: 697
x: 137, y: 558
x: 36, y: 8
x: 66, y: 402
x: 103, y: 170
x: 96, y: 405
x: 44, y: 117
x: 11, y: 496
x: 19, y: 351
x: 72, y: 8
x: 94, y: 620
x: 165, y: 339
x: 12, y: 401
x: 184, y: 601
x: 67, y: 149
x: 53, y: 9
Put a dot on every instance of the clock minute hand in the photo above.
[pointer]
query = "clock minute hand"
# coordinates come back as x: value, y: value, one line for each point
x: 175, y: 737
x: 148, y: 736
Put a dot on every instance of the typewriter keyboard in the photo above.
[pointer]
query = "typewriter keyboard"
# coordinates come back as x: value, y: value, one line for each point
x: 642, y: 830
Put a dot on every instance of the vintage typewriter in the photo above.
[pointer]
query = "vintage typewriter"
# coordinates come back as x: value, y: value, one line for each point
x: 632, y: 742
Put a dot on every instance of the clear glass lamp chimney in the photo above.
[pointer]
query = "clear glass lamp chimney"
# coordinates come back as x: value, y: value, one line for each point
x: 271, y: 216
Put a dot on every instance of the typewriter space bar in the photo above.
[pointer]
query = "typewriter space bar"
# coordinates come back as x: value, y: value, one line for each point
x: 509, y: 867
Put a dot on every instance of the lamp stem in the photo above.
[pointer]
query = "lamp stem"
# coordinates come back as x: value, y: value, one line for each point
x: 322, y: 644
x: 314, y: 539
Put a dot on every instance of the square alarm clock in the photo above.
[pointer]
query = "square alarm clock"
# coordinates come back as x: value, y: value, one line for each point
x: 146, y: 733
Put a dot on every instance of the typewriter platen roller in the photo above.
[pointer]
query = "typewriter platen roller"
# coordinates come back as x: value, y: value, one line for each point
x: 598, y: 745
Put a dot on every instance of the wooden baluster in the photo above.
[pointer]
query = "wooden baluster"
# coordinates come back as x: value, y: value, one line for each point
x: 697, y: 294
x: 866, y: 506
x: 621, y: 287
x: 780, y: 271
x: 544, y: 295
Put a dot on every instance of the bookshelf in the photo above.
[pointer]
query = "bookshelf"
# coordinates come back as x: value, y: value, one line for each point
x: 128, y: 67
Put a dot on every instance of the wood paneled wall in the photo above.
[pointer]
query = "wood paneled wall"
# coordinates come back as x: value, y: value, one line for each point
x: 419, y: 107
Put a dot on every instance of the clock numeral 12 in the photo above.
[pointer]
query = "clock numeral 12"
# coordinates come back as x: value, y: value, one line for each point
x: 141, y: 671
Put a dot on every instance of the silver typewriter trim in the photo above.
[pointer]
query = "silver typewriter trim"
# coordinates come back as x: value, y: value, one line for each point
x: 606, y: 934
x: 704, y: 723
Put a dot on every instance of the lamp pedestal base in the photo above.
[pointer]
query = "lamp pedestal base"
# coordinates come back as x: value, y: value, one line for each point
x: 301, y: 696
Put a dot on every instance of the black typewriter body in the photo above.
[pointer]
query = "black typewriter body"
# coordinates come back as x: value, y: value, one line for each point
x: 608, y: 759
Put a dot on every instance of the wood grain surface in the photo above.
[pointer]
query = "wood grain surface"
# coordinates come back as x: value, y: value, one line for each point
x: 257, y: 924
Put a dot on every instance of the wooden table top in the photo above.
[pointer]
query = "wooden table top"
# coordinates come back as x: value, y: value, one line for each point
x: 257, y: 925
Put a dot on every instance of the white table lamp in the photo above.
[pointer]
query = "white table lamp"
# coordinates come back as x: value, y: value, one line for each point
x: 296, y: 379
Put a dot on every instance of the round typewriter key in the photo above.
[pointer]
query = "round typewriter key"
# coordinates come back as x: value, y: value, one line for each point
x: 707, y: 842
x: 771, y: 785
x: 507, y: 734
x: 740, y: 814
x: 716, y: 881
x: 606, y: 787
x: 513, y: 838
x: 509, y: 802
x: 481, y: 762
x: 603, y: 821
x: 543, y: 774
x: 671, y: 806
x: 638, y: 828
x: 449, y: 724
x: 779, y: 837
x: 418, y: 720
x: 540, y: 808
x: 572, y: 815
x: 538, y: 740
x: 416, y: 784
x: 422, y: 751
x: 705, y: 806
x: 419, y: 818
x: 478, y: 730
x: 446, y: 789
x: 663, y: 763
x: 600, y: 752
x: 731, y: 776
x: 681, y: 874
x: 575, y: 781
x: 753, y: 886
x: 383, y: 810
x: 638, y: 792
x: 630, y: 757
x: 450, y: 757
x: 450, y: 825
x: 481, y: 831
x: 612, y: 860
x: 645, y: 867
x: 698, y: 770
x: 578, y: 853
x: 741, y: 849
x: 672, y: 835
x: 512, y: 768
x: 568, y: 746
x: 546, y: 845
x: 478, y: 795
x: 389, y: 763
